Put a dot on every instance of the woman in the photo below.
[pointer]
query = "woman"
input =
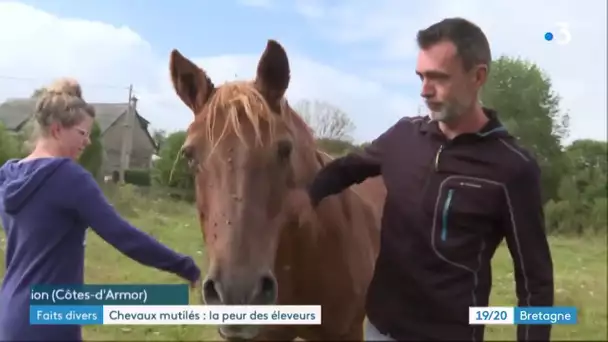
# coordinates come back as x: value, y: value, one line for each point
x: 47, y: 201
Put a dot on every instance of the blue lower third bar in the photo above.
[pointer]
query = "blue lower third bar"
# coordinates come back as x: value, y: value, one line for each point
x: 545, y: 315
x: 66, y: 314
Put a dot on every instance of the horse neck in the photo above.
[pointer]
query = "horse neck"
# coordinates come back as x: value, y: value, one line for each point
x: 307, y: 161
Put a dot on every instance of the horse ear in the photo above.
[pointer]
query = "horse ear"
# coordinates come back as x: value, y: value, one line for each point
x: 190, y: 82
x: 273, y: 73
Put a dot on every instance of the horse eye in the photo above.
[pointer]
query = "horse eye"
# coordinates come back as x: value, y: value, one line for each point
x: 284, y: 149
x: 188, y: 152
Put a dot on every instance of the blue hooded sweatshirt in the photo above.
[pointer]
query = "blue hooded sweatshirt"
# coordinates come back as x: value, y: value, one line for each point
x: 46, y: 205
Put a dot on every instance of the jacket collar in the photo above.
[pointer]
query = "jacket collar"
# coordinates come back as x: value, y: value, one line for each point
x: 492, y: 129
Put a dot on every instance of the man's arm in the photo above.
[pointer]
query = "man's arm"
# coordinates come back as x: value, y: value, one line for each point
x: 352, y: 168
x: 528, y: 245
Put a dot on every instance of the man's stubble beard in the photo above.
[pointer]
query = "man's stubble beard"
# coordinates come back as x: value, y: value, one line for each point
x: 448, y: 113
x: 452, y: 111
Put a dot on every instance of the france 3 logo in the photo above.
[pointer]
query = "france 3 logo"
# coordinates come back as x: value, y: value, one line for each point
x: 561, y: 35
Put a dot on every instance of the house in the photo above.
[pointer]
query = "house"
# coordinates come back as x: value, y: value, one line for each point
x: 14, y: 114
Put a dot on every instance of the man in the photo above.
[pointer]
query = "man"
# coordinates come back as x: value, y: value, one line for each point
x: 458, y: 183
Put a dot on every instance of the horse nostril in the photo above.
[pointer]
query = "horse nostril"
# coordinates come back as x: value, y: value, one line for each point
x: 267, y: 293
x: 211, y: 292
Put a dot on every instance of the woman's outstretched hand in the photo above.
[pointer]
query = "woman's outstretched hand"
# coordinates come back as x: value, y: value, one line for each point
x: 196, y: 283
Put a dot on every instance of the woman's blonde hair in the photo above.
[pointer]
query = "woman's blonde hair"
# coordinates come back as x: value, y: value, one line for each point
x: 61, y: 102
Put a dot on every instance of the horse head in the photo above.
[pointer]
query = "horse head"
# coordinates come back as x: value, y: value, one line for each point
x: 248, y: 150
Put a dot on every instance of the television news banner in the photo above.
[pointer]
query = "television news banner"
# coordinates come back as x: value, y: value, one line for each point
x: 169, y: 305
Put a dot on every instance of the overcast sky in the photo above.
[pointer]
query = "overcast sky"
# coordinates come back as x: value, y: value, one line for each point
x: 357, y: 54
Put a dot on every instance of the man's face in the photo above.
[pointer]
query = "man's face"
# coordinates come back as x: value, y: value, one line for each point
x: 449, y: 91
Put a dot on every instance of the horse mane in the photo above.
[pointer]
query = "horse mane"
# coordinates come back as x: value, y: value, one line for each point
x: 239, y: 103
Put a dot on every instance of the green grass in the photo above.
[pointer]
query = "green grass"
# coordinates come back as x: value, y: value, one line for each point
x: 580, y: 268
x: 580, y: 281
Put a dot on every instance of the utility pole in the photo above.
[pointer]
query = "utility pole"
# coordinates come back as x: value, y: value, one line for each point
x: 127, y: 137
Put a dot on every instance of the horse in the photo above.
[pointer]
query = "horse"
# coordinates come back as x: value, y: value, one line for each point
x: 250, y: 153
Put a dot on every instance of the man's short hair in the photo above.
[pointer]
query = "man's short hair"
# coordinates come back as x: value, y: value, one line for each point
x: 471, y: 43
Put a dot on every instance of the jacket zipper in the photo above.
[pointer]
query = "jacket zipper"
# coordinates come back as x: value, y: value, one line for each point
x: 437, y: 157
x: 446, y: 204
x: 444, y: 221
x: 433, y: 167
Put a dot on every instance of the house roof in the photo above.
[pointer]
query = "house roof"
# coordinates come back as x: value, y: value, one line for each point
x: 15, y: 112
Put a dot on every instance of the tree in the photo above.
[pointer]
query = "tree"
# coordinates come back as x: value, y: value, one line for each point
x: 92, y: 156
x: 170, y: 169
x: 37, y: 93
x: 159, y: 136
x: 524, y: 98
x: 10, y: 146
x: 580, y: 206
x: 335, y: 147
x: 587, y: 154
x: 326, y: 120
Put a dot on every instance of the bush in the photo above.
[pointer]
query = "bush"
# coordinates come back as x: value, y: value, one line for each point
x: 171, y: 171
x: 138, y: 177
x: 335, y: 147
x: 92, y: 157
x: 10, y: 147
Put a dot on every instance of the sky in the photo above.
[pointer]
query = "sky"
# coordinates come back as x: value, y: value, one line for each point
x: 358, y: 55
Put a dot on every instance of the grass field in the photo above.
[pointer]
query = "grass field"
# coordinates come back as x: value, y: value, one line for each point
x: 580, y: 268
